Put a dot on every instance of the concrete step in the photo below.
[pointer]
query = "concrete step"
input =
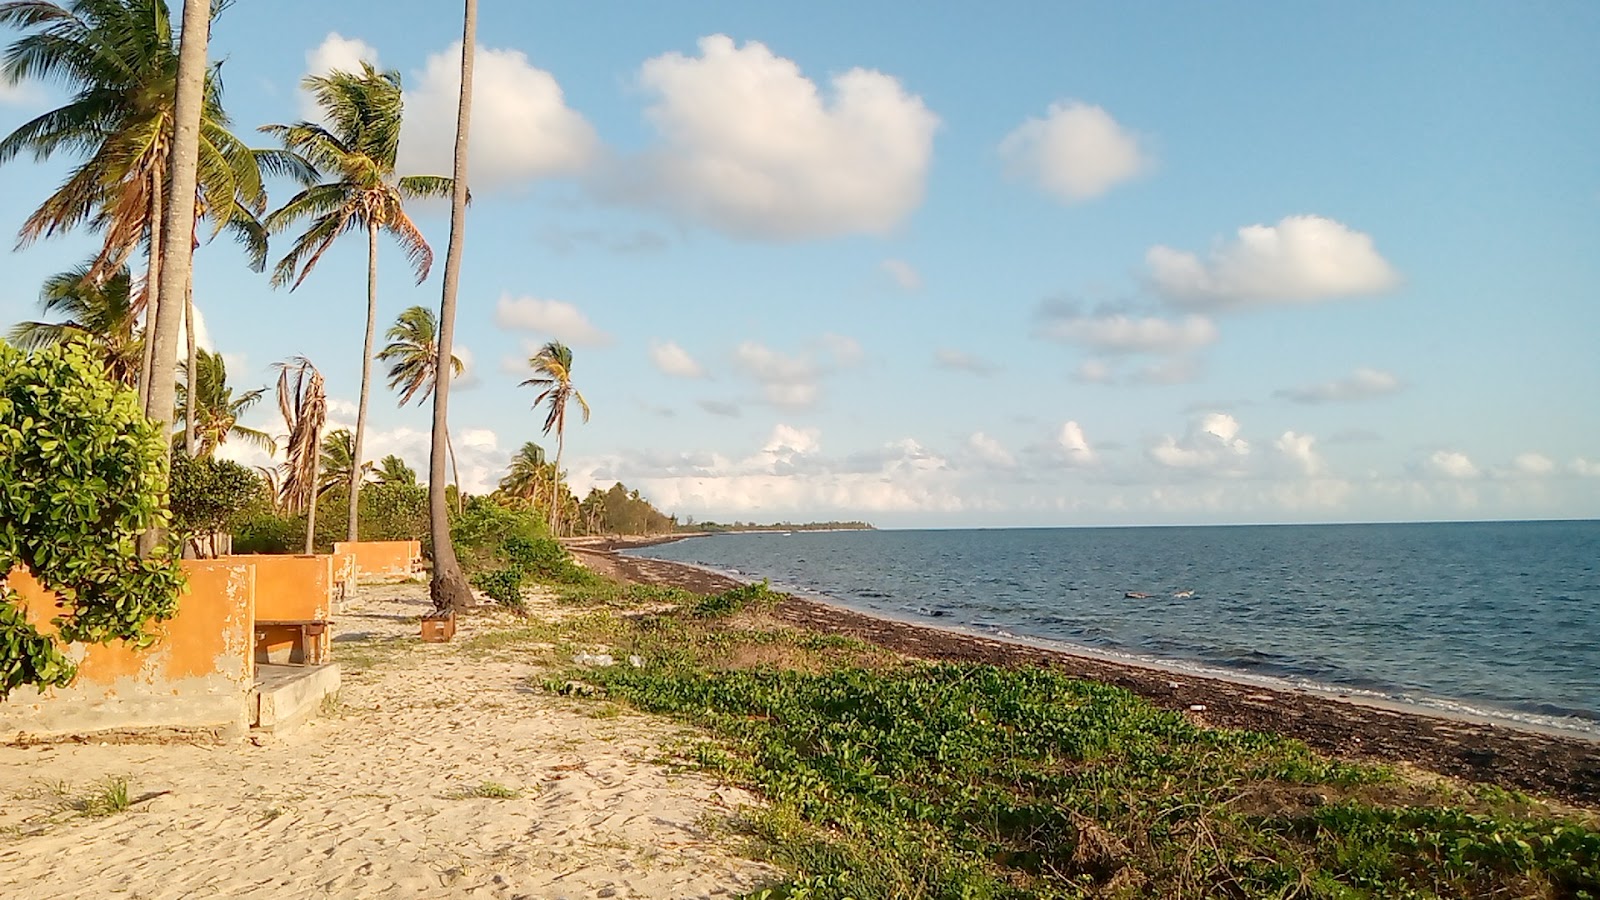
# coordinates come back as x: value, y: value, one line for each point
x: 285, y: 697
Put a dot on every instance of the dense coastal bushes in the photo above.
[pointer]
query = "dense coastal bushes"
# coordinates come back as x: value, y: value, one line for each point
x: 888, y: 778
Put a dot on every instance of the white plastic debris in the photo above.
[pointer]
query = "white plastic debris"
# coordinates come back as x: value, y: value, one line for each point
x: 594, y: 659
x: 636, y: 661
x: 1197, y: 707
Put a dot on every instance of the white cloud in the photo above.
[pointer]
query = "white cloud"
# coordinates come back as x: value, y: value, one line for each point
x: 1452, y: 464
x: 1075, y: 445
x: 16, y: 94
x: 1301, y: 450
x: 843, y: 350
x: 336, y: 53
x: 559, y: 320
x: 674, y: 360
x: 468, y: 379
x: 1533, y: 464
x: 1362, y: 384
x: 1212, y: 442
x: 961, y: 361
x: 791, y: 381
x: 1585, y: 467
x: 990, y: 450
x: 1115, y: 332
x: 1093, y: 371
x: 1300, y: 260
x: 721, y: 408
x: 752, y: 147
x: 1076, y: 152
x: 904, y: 275
x: 522, y: 128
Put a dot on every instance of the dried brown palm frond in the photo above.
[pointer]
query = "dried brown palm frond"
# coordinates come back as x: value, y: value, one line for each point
x: 303, y: 402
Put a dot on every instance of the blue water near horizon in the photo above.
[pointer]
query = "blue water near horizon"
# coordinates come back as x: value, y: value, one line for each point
x: 1495, y: 618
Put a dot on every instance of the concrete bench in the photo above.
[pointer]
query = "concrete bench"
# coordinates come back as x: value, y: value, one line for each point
x: 308, y: 637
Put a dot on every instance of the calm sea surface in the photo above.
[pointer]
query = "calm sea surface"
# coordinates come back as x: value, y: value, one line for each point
x: 1499, y: 618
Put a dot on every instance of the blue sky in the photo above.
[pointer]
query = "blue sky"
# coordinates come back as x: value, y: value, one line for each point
x: 1048, y: 265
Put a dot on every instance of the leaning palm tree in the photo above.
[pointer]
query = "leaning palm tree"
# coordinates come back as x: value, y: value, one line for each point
x: 210, y: 412
x: 357, y: 152
x: 552, y: 367
x: 448, y: 588
x: 303, y: 402
x: 101, y: 312
x: 411, y: 354
x: 525, y: 477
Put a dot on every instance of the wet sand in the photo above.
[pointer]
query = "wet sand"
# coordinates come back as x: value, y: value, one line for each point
x: 1567, y: 768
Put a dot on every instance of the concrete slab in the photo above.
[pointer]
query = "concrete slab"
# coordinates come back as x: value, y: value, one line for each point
x: 285, y: 697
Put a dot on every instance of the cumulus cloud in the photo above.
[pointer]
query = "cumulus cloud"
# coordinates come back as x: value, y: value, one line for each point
x: 1212, y: 442
x: 962, y: 361
x: 752, y: 147
x: 1452, y: 464
x: 1301, y: 450
x: 904, y: 275
x: 1586, y: 468
x: 468, y: 379
x: 1076, y: 152
x: 559, y: 320
x: 522, y: 128
x: 1362, y: 384
x: 792, y: 380
x: 990, y: 451
x: 1110, y: 331
x: 1300, y: 260
x: 1074, y: 445
x: 674, y: 360
x: 1533, y: 464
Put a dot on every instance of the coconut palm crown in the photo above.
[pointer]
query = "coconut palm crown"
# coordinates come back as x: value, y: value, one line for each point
x: 103, y: 313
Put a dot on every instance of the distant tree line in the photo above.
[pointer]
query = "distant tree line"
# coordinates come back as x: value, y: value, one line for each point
x: 691, y: 525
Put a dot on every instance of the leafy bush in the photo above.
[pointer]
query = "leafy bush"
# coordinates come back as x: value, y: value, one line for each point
x: 504, y: 586
x: 82, y: 473
x: 261, y: 530
x: 393, y: 511
x: 210, y: 496
x: 754, y: 595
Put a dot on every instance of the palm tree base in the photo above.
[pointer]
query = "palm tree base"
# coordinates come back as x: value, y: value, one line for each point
x: 449, y: 590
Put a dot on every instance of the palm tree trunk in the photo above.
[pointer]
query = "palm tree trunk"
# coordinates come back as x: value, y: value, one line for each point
x: 177, y: 260
x: 455, y: 472
x: 311, y: 508
x: 449, y: 588
x: 366, y: 381
x: 555, y: 487
x: 189, y: 441
x: 152, y: 284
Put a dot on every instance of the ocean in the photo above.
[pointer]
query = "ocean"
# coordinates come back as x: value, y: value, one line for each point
x: 1496, y: 618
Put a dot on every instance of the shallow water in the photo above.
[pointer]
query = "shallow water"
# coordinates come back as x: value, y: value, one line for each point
x: 1498, y: 618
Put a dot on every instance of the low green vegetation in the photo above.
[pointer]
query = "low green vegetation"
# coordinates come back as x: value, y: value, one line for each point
x: 488, y: 790
x: 887, y: 778
x: 107, y: 799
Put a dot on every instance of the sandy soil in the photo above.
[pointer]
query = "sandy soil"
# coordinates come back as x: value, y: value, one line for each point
x: 1567, y: 768
x: 377, y: 798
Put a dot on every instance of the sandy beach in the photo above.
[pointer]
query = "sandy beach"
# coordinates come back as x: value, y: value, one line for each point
x: 391, y: 793
x: 1559, y: 766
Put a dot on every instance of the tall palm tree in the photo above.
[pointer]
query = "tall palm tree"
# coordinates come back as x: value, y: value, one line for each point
x: 393, y: 470
x: 525, y: 478
x: 104, y: 313
x: 303, y: 402
x: 357, y: 151
x: 552, y: 367
x: 120, y: 63
x: 411, y: 354
x: 339, y: 461
x: 210, y: 412
x: 448, y: 589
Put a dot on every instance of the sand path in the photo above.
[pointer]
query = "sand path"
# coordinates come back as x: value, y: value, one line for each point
x: 377, y: 798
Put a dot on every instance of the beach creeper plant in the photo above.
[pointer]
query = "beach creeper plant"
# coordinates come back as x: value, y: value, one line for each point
x: 82, y: 473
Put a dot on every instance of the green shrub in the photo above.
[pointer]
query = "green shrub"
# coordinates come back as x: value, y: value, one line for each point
x: 756, y: 594
x: 265, y: 531
x: 210, y: 496
x: 82, y: 474
x: 504, y: 586
x: 394, y: 511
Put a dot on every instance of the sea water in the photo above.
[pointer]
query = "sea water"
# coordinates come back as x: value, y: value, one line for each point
x: 1501, y: 618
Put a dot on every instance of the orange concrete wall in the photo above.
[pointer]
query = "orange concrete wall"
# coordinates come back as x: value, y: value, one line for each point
x: 290, y: 588
x: 197, y: 675
x: 384, y: 560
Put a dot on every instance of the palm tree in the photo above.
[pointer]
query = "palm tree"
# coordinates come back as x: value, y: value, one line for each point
x: 104, y: 313
x: 338, y: 461
x: 525, y: 478
x: 552, y: 367
x: 303, y: 402
x: 357, y: 151
x: 411, y: 354
x: 211, y: 411
x: 448, y: 589
x: 393, y: 470
x: 119, y: 61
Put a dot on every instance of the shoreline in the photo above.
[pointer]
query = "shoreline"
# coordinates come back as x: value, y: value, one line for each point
x: 1458, y: 745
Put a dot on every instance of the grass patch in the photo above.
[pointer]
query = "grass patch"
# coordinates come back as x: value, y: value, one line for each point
x: 107, y: 799
x: 487, y: 790
x: 892, y: 779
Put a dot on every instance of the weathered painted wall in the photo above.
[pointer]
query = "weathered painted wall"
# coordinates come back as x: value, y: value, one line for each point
x: 290, y: 589
x: 384, y: 560
x: 198, y: 675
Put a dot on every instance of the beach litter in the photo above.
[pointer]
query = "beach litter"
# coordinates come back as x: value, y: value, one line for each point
x: 600, y: 660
